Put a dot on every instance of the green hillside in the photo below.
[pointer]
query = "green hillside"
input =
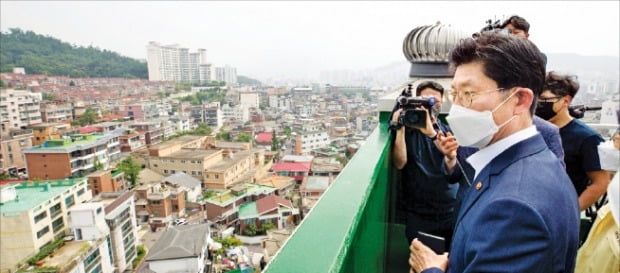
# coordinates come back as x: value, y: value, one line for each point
x: 40, y: 54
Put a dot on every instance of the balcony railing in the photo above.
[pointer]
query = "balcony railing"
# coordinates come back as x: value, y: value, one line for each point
x: 353, y: 228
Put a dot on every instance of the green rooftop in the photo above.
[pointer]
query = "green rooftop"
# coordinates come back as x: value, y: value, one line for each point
x: 248, y: 209
x: 32, y: 194
x: 76, y: 140
x: 227, y: 197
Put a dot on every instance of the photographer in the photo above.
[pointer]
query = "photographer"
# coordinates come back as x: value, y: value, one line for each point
x: 429, y: 198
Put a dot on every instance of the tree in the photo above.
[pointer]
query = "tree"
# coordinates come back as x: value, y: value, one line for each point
x: 223, y: 135
x: 243, y: 137
x: 275, y: 143
x: 250, y: 230
x: 131, y: 170
x: 1, y: 83
x: 287, y: 131
x: 98, y: 165
x: 72, y: 83
x: 88, y: 117
x: 49, y: 96
x: 268, y: 226
x: 202, y: 129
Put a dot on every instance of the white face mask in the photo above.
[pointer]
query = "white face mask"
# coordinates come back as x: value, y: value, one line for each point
x: 473, y: 128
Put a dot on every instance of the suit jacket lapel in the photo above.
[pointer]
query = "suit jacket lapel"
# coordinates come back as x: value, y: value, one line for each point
x: 479, y: 186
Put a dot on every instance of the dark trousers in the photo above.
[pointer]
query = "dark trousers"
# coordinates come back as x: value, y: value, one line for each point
x: 437, y: 226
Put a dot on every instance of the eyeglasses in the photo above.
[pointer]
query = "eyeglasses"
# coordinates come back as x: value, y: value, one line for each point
x: 553, y: 99
x: 466, y: 98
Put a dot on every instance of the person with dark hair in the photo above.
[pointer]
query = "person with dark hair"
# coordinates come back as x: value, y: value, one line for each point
x: 518, y: 26
x: 579, y: 140
x: 521, y: 212
x: 427, y: 197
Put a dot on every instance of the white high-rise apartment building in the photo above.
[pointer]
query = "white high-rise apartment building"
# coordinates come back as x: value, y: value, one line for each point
x: 174, y: 63
x: 226, y: 74
x: 20, y: 108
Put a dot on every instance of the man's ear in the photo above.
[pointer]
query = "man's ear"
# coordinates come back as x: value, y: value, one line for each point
x: 525, y: 98
x: 527, y: 35
x: 567, y: 100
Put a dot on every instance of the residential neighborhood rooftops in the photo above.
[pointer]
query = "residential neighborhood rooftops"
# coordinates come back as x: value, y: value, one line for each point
x: 184, y: 241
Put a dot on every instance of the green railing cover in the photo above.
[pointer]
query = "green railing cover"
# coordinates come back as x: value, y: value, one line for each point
x: 351, y: 228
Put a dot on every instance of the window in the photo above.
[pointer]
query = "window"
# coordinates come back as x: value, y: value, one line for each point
x: 217, y: 176
x: 155, y: 202
x: 69, y: 201
x: 99, y: 210
x: 55, y: 210
x: 42, y: 232
x: 165, y: 171
x: 80, y: 192
x: 182, y: 161
x: 78, y: 234
x: 58, y: 224
x: 155, y: 165
x: 40, y: 216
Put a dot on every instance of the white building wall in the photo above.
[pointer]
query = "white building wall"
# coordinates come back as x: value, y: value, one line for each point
x: 20, y: 107
x: 249, y: 99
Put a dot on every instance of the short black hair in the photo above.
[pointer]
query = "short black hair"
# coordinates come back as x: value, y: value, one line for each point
x: 507, y: 59
x: 561, y: 84
x: 429, y: 84
x: 518, y: 22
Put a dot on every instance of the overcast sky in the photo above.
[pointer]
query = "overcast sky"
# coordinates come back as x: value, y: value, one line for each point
x: 271, y: 39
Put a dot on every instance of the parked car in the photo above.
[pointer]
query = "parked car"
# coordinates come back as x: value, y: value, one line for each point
x: 180, y: 222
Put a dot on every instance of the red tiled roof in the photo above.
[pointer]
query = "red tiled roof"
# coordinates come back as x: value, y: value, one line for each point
x: 271, y: 202
x: 88, y: 129
x: 4, y: 182
x: 264, y: 137
x: 292, y: 166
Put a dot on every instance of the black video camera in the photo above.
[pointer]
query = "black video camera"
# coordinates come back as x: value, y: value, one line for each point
x: 578, y: 111
x: 413, y: 114
x: 492, y: 26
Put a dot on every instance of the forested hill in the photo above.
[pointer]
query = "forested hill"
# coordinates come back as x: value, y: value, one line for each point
x: 40, y: 54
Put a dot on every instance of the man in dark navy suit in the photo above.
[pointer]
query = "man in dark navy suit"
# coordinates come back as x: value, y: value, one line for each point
x: 520, y: 213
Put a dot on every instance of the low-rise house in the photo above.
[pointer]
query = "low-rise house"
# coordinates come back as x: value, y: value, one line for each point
x: 158, y: 204
x: 283, y: 184
x: 224, y: 207
x: 273, y: 209
x: 297, y: 170
x: 74, y: 156
x: 107, y: 181
x: 191, y: 185
x: 180, y: 249
x: 12, y: 142
x: 314, y: 186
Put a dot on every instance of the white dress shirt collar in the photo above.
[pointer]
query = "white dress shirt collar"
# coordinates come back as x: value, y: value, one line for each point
x: 483, y: 157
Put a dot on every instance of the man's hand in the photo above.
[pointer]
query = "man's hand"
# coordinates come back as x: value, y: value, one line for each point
x: 447, y: 145
x: 396, y: 114
x: 429, y: 131
x: 422, y: 258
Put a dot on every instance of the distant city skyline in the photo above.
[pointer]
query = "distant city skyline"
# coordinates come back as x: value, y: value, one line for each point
x: 302, y: 39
